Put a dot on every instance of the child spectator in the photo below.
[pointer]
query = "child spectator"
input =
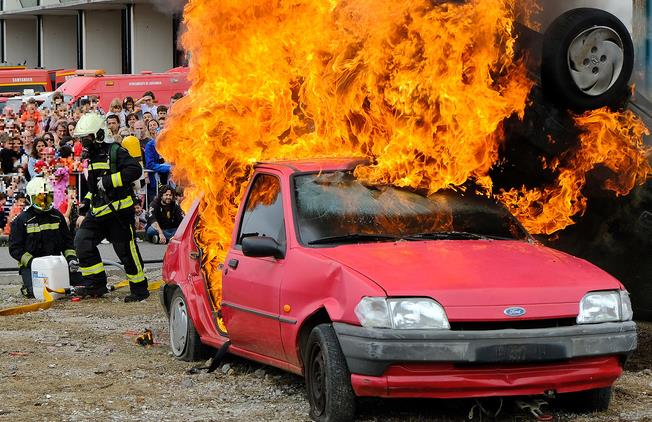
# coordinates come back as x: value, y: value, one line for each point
x: 147, y: 116
x: 128, y: 106
x: 140, y: 217
x: 60, y: 179
x: 147, y: 104
x: 116, y: 108
x: 161, y: 111
x: 71, y: 210
x: 131, y: 121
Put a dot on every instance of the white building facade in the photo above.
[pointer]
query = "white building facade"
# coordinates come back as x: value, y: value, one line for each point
x: 119, y: 36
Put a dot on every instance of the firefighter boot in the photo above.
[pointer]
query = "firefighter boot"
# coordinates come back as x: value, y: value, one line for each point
x: 139, y: 291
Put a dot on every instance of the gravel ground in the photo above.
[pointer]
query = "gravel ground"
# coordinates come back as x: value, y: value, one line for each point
x: 80, y: 361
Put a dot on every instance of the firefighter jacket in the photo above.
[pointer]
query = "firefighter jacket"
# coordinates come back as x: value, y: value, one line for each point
x: 40, y: 233
x: 118, y: 170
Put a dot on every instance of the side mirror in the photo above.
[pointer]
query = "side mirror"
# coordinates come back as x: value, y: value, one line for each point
x: 262, y: 246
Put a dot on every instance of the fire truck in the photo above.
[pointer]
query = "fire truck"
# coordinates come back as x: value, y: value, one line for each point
x: 107, y: 87
x: 15, y: 80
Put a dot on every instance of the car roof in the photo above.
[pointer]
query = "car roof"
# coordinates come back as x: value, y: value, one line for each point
x: 313, y: 165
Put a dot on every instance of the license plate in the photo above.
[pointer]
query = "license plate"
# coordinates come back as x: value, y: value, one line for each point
x: 520, y: 353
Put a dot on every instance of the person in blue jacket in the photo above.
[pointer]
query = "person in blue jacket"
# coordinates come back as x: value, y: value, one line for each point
x: 160, y: 170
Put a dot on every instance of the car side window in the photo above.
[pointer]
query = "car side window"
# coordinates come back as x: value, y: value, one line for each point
x: 263, y: 212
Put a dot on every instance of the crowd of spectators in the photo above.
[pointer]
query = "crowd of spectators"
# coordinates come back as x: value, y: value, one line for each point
x: 40, y: 142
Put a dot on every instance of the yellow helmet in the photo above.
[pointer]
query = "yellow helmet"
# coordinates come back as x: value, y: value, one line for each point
x: 132, y: 144
x: 93, y: 124
x: 40, y: 193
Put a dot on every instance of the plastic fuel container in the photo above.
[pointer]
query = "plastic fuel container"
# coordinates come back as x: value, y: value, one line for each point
x: 51, y: 271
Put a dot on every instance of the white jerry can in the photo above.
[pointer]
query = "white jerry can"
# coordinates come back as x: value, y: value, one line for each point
x: 50, y: 271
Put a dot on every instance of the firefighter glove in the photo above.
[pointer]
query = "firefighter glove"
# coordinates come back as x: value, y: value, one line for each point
x: 73, y: 266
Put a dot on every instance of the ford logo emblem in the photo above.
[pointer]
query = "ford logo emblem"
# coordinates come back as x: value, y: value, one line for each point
x: 514, y: 311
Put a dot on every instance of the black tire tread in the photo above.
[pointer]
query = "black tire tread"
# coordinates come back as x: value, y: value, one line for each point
x: 340, y: 399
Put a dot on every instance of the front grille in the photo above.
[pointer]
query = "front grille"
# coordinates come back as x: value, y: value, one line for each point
x: 516, y: 324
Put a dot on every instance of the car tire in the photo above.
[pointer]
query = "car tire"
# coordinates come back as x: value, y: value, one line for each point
x: 596, y: 400
x: 587, y: 60
x: 184, y: 340
x: 328, y: 380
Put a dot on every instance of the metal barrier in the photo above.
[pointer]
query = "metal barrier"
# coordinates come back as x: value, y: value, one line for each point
x: 78, y: 175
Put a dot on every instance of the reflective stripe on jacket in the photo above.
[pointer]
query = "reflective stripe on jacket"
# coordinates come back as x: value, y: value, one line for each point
x: 40, y: 233
x: 116, y: 179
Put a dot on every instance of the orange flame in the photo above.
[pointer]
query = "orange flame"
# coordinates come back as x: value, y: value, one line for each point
x: 420, y: 87
x: 608, y: 139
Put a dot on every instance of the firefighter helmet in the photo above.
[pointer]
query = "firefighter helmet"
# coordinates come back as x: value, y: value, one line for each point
x: 40, y: 194
x: 92, y: 125
x: 132, y: 144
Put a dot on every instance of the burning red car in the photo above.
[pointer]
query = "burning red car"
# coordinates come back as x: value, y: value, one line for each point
x: 380, y: 291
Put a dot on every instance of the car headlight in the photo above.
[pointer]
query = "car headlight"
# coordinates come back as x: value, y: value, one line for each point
x: 401, y: 313
x: 606, y: 306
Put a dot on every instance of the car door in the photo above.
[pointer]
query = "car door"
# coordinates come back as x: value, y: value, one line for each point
x: 250, y: 305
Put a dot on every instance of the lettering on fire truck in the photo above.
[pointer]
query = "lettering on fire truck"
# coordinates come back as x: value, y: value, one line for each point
x: 138, y: 83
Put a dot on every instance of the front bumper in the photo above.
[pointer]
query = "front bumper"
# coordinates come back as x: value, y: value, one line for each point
x: 369, y: 351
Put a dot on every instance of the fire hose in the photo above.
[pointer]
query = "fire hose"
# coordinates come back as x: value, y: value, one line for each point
x: 107, y: 262
x: 49, y: 300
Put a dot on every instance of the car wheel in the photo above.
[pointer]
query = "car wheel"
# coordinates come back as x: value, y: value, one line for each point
x: 184, y: 340
x: 596, y: 400
x: 587, y: 59
x: 327, y: 377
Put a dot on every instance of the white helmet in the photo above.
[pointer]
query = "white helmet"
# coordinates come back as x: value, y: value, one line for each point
x: 93, y: 124
x: 40, y: 193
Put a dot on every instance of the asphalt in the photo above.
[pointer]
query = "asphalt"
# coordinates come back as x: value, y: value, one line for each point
x: 148, y: 251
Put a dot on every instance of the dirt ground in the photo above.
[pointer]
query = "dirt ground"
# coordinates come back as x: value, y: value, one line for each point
x: 80, y: 361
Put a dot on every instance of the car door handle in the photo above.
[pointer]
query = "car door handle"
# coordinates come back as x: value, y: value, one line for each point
x: 233, y: 263
x: 194, y: 255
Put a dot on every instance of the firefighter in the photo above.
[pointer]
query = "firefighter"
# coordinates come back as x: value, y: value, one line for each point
x: 108, y: 210
x: 41, y: 230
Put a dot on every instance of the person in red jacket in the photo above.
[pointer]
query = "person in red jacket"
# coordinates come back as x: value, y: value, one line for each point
x: 32, y: 113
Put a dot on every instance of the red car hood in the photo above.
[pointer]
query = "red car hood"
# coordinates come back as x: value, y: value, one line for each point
x: 474, y: 273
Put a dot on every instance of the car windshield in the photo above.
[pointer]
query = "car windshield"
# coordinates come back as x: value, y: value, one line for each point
x: 335, y: 208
